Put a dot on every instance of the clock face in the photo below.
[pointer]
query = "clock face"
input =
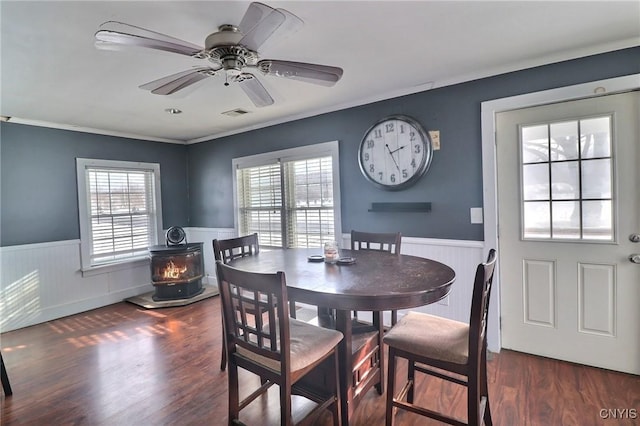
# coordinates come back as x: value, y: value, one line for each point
x: 395, y: 152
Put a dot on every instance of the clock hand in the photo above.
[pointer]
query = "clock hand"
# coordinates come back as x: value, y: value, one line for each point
x: 392, y: 157
x: 396, y: 150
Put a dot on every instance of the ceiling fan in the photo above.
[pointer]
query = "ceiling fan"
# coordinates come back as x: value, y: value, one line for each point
x: 230, y: 50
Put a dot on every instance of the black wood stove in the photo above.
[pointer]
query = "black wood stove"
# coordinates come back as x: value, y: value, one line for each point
x: 176, y: 269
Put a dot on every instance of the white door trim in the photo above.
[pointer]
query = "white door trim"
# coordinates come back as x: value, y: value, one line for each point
x: 489, y: 109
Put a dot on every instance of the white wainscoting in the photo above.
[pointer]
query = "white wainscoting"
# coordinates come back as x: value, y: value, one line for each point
x: 206, y: 236
x: 42, y: 282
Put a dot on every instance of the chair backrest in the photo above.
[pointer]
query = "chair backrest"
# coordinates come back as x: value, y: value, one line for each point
x: 480, y: 305
x: 232, y: 248
x: 248, y: 297
x: 389, y: 242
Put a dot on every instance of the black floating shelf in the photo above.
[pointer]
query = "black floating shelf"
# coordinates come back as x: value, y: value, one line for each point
x: 401, y: 207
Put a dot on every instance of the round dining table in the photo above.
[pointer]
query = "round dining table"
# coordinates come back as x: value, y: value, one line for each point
x: 364, y: 280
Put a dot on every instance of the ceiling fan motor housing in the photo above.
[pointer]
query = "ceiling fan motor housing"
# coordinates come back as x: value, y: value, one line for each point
x: 222, y: 49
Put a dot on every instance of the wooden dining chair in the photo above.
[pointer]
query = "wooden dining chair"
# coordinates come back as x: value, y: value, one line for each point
x: 447, y: 349
x: 387, y: 242
x: 4, y: 377
x: 302, y: 359
x: 227, y: 250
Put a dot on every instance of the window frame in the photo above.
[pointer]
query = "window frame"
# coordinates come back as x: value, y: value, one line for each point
x: 324, y: 149
x: 84, y: 212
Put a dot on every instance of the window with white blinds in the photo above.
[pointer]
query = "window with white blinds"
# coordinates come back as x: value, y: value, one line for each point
x: 260, y: 203
x: 289, y: 197
x: 119, y: 204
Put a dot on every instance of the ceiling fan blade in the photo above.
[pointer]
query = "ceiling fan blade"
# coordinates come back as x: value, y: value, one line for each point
x: 254, y: 14
x: 256, y: 36
x: 290, y: 26
x: 254, y: 90
x: 175, y: 82
x: 125, y: 34
x: 323, y: 75
x: 261, y: 22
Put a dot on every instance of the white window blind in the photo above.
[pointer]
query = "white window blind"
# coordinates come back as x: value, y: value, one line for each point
x: 289, y: 202
x: 260, y: 203
x: 309, y: 212
x: 119, y: 206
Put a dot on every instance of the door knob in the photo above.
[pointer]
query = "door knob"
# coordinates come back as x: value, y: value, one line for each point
x: 634, y: 238
x: 635, y: 258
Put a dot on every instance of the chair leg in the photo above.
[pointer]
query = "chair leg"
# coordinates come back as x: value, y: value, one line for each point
x: 394, y: 317
x: 391, y: 379
x: 337, y: 413
x: 487, y: 414
x: 474, y: 397
x: 223, y: 356
x: 485, y: 390
x: 377, y: 322
x: 4, y: 377
x: 234, y: 394
x: 285, y: 405
x: 411, y: 378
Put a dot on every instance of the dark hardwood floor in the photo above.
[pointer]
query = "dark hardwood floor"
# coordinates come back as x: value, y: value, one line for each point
x: 125, y: 365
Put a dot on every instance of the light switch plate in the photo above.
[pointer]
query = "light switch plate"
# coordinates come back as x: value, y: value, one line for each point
x: 435, y: 139
x: 476, y: 215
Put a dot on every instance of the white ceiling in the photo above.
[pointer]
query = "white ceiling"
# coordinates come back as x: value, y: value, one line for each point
x: 52, y: 74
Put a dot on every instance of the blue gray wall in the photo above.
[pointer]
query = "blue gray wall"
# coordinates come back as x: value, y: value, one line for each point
x: 38, y: 199
x: 453, y: 183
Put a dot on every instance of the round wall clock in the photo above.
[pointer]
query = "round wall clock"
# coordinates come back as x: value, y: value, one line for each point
x: 395, y: 152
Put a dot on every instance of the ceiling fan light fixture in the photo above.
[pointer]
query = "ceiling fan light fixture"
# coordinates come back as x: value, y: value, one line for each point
x: 227, y: 35
x: 232, y: 64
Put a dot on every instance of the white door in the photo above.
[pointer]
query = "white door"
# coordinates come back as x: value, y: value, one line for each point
x: 568, y: 205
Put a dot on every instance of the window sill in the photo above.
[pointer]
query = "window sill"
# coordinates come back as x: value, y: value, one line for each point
x: 112, y: 267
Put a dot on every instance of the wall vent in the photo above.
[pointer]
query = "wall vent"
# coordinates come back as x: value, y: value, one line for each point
x: 235, y: 112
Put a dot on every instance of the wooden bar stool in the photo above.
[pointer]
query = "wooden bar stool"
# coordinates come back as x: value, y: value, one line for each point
x: 226, y: 251
x: 447, y: 349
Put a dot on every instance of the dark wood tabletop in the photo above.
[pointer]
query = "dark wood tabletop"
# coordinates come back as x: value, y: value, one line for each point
x: 376, y: 281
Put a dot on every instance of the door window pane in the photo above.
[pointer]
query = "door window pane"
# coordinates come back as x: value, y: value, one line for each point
x: 567, y: 180
x: 564, y: 140
x: 537, y: 220
x: 596, y: 178
x: 535, y: 180
x: 565, y: 219
x: 566, y: 184
x: 535, y: 144
x: 595, y: 137
x: 597, y: 220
